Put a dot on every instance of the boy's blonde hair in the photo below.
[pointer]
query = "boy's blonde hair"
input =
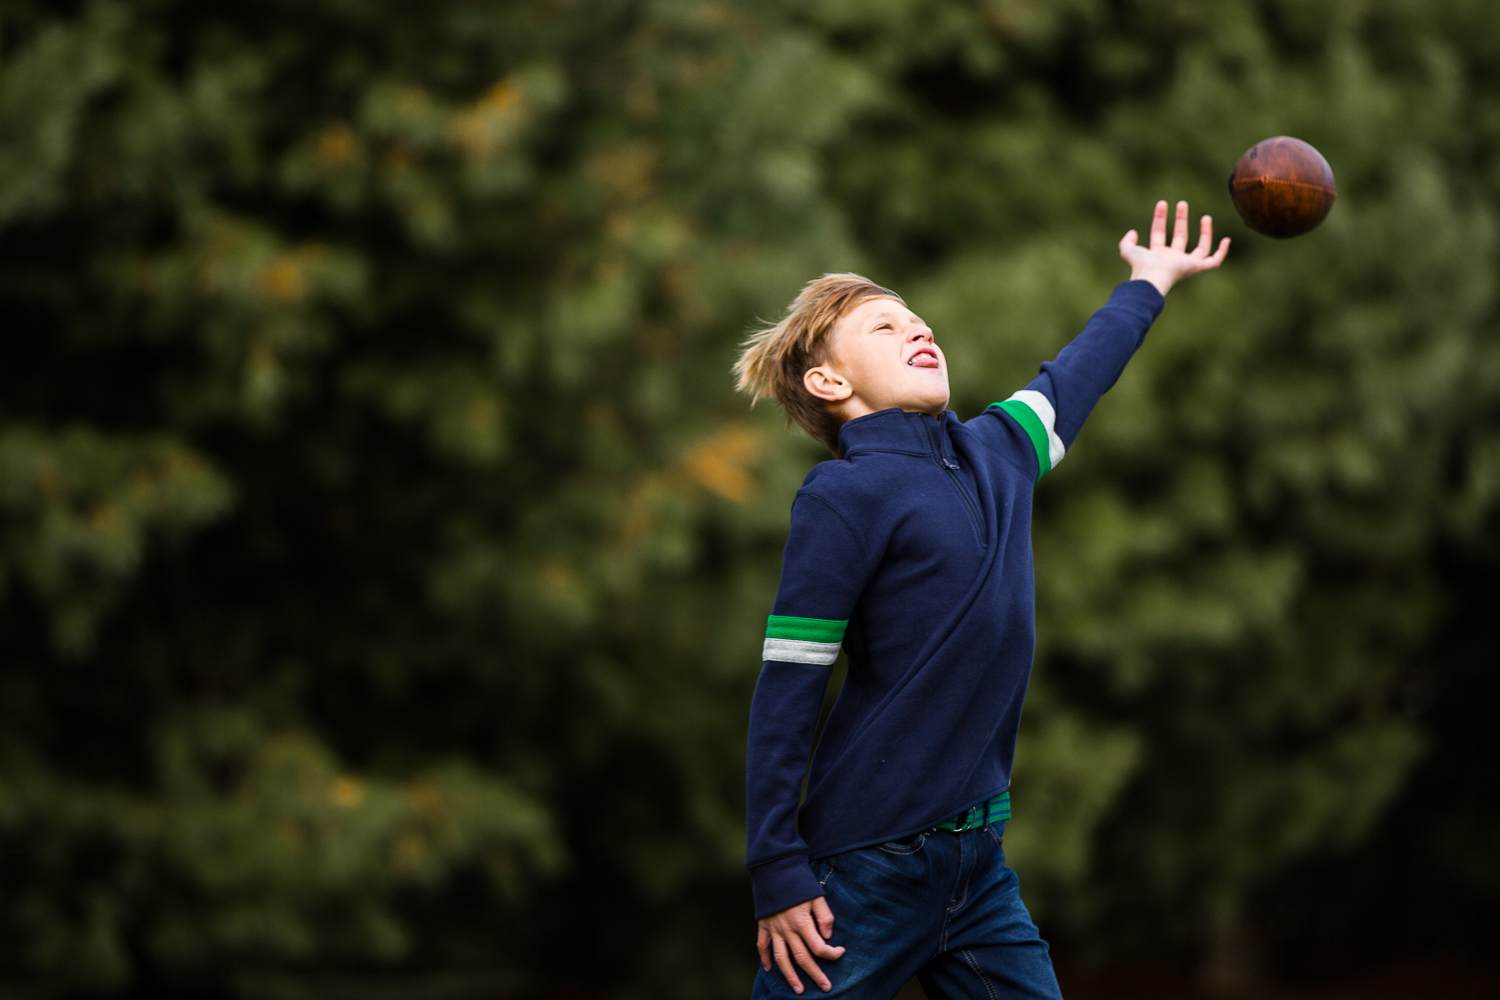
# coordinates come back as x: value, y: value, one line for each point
x: 776, y: 357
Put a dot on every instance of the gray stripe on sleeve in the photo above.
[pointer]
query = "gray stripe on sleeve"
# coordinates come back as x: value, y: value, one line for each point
x: 800, y: 651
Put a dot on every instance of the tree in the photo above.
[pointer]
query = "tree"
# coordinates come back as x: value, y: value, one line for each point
x: 386, y: 554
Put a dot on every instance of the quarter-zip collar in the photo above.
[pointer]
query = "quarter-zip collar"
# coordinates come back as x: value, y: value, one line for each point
x: 899, y: 432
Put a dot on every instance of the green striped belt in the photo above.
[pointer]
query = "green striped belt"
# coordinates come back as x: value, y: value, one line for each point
x: 993, y: 811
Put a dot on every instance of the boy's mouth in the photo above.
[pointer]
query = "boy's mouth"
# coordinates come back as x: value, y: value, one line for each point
x: 923, y: 357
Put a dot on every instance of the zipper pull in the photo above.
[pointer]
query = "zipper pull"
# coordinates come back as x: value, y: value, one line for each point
x: 950, y: 466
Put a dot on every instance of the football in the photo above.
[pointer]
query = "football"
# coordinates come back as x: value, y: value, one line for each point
x: 1282, y: 187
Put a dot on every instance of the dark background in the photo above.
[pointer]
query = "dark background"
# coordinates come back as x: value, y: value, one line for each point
x: 385, y: 554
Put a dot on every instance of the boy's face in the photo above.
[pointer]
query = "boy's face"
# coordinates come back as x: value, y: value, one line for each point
x: 881, y: 355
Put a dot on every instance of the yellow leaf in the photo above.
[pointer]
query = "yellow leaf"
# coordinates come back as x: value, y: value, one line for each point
x: 721, y: 464
x: 336, y: 145
x: 347, y: 792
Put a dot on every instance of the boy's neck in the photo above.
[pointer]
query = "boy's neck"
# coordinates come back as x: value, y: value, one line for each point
x: 851, y: 412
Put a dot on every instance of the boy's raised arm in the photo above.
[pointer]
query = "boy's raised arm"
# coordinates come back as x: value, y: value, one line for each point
x: 1050, y: 411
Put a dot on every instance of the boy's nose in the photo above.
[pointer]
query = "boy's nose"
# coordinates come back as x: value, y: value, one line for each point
x: 920, y: 332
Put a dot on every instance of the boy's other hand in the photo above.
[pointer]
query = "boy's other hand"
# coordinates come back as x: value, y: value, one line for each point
x: 1164, y: 265
x: 796, y: 934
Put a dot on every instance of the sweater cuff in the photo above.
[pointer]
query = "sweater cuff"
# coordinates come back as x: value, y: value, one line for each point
x: 782, y: 883
x: 1142, y: 291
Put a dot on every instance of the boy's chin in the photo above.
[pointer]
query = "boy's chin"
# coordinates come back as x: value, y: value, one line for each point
x: 927, y: 399
x: 932, y: 406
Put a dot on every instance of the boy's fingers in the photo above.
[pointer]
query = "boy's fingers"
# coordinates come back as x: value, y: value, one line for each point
x: 825, y: 950
x: 763, y: 945
x: 812, y: 938
x: 1159, y: 226
x: 823, y: 915
x: 1205, y: 236
x: 808, y: 963
x: 784, y: 963
x: 1179, y: 227
x: 1209, y: 263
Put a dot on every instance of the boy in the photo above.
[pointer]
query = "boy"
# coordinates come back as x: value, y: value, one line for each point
x: 912, y: 551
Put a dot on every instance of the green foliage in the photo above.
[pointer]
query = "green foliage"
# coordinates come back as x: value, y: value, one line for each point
x: 252, y: 854
x: 78, y: 507
x: 385, y: 554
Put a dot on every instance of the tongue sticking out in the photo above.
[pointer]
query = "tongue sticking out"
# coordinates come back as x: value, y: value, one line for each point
x: 923, y: 360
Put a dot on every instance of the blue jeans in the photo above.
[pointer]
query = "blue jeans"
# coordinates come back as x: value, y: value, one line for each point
x: 943, y: 907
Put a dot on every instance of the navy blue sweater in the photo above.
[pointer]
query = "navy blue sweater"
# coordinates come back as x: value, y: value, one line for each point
x: 912, y: 552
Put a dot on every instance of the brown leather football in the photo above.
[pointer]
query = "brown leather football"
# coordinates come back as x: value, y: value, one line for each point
x: 1282, y: 187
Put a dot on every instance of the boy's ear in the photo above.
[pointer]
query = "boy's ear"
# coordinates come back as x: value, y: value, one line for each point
x: 827, y: 384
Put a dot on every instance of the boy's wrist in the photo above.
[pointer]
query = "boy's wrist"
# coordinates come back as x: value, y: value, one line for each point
x: 784, y: 882
x: 1160, y: 279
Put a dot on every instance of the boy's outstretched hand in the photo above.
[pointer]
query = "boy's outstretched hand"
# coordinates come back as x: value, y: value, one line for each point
x: 1164, y: 265
x: 793, y: 936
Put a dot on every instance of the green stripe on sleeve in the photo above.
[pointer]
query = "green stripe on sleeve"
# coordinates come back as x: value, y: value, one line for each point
x: 805, y: 629
x: 1034, y: 429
